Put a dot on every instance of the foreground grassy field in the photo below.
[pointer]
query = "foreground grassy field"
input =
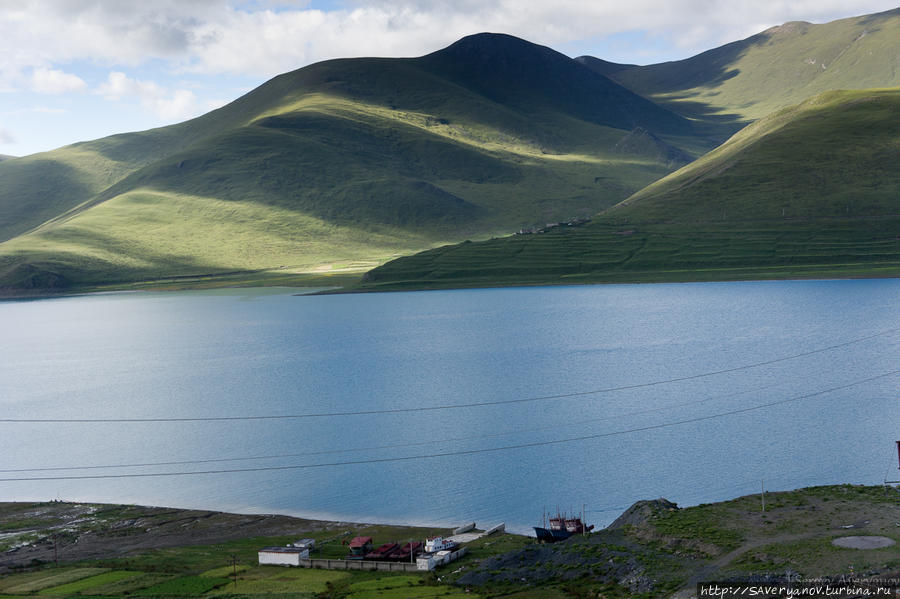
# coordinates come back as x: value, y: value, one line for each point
x: 654, y: 549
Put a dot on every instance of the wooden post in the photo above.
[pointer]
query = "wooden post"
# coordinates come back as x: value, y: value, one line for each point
x: 763, y: 494
x: 234, y: 568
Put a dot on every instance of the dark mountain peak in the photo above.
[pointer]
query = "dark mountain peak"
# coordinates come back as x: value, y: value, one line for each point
x: 493, y: 46
x: 534, y: 78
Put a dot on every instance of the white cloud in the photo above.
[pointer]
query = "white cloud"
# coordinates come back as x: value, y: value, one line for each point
x: 266, y: 37
x: 48, y: 110
x: 6, y: 137
x: 166, y: 104
x: 54, y: 81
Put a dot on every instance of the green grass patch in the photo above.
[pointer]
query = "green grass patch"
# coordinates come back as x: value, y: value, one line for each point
x: 196, y: 559
x: 89, y: 583
x: 184, y: 585
x: 35, y: 581
x: 816, y: 557
x: 27, y: 524
x: 127, y: 586
x: 275, y: 580
x: 224, y: 571
x: 543, y: 593
x: 604, y: 253
x: 409, y: 592
x: 390, y: 582
x: 704, y: 523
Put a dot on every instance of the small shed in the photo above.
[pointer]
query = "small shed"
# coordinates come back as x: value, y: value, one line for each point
x: 282, y: 556
x: 304, y: 544
x: 425, y: 562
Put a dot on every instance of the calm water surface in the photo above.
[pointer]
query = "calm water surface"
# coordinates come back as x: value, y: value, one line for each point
x: 271, y: 353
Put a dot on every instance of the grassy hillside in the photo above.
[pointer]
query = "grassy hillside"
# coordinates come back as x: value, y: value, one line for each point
x: 811, y: 191
x: 746, y: 80
x: 833, y: 156
x: 342, y: 162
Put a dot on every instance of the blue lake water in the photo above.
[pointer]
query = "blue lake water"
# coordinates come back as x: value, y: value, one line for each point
x: 272, y: 353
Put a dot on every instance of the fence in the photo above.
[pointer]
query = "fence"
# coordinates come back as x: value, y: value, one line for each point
x: 371, y: 565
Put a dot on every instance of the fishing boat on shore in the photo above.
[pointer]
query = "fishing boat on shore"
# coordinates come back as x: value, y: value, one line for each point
x: 560, y: 528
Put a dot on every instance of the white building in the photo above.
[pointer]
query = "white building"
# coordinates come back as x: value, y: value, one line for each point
x: 304, y: 544
x: 282, y: 556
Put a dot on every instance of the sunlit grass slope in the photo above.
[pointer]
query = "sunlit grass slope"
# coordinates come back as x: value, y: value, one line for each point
x: 145, y: 235
x: 781, y: 66
x: 834, y: 156
x: 811, y: 190
x: 364, y: 157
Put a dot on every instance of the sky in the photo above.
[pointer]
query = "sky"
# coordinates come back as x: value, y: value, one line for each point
x: 73, y: 70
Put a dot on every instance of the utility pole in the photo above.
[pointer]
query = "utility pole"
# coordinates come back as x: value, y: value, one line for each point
x: 234, y: 568
x: 892, y: 482
x: 763, y: 494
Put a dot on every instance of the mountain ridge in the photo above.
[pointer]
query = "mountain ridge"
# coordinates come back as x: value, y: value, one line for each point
x: 809, y: 191
x: 744, y: 80
x: 402, y: 154
x: 348, y: 163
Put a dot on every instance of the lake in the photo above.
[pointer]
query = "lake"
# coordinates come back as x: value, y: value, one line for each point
x: 589, y: 395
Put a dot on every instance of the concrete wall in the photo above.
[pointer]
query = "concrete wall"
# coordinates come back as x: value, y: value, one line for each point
x: 464, y: 528
x: 357, y: 564
x: 371, y: 565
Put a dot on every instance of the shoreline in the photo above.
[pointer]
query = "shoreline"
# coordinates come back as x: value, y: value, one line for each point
x: 653, y: 546
x: 11, y: 295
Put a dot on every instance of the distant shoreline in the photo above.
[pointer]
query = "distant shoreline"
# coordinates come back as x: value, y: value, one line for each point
x: 151, y: 286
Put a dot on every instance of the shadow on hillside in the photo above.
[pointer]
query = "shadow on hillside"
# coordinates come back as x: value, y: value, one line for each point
x: 35, y: 190
x: 668, y: 83
x: 879, y: 17
x: 45, y: 270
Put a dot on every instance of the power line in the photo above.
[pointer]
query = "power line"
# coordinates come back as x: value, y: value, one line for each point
x: 456, y: 406
x: 467, y: 451
x: 392, y: 446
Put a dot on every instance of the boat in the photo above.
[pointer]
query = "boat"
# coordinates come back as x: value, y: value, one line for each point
x: 383, y: 551
x: 407, y: 552
x: 435, y: 544
x: 561, y: 528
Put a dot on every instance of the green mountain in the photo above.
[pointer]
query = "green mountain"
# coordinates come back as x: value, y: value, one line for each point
x: 811, y: 190
x: 746, y: 80
x: 342, y: 164
x: 834, y: 156
x: 5, y: 157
